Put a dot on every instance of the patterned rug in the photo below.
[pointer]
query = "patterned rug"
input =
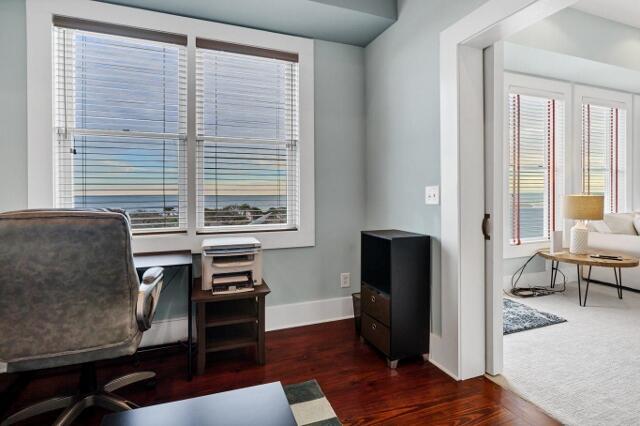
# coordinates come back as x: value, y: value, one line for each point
x: 309, y: 405
x: 518, y: 317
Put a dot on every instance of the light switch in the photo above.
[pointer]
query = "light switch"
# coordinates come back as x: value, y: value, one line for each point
x: 432, y: 195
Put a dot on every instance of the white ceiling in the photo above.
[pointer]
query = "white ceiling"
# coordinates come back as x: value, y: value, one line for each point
x: 623, y: 11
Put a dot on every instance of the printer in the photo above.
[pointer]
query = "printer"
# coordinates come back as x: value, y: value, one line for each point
x: 231, y: 264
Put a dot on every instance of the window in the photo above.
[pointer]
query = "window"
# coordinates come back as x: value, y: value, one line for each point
x: 120, y: 122
x: 194, y: 127
x: 603, y: 153
x: 536, y: 132
x: 247, y: 138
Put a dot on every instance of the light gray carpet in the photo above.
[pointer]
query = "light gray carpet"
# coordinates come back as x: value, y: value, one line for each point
x: 520, y: 317
x: 585, y: 371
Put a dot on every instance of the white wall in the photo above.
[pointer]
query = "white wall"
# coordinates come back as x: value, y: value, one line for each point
x: 586, y: 36
x: 559, y: 66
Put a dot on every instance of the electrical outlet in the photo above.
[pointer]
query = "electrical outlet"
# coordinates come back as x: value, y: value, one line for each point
x: 432, y: 195
x: 345, y: 279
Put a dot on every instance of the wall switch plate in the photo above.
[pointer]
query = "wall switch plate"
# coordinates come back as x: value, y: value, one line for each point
x: 432, y: 195
x: 345, y: 279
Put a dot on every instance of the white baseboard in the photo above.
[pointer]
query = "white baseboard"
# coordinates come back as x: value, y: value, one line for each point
x: 444, y: 369
x: 305, y: 313
x: 167, y: 331
x: 277, y: 317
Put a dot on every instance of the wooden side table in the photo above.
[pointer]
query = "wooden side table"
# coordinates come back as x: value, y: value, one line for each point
x: 582, y: 260
x: 229, y: 321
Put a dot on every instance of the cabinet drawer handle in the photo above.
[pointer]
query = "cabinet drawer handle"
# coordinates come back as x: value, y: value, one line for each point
x: 373, y: 299
x: 373, y: 326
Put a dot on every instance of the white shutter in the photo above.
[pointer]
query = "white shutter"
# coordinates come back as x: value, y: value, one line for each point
x: 120, y: 114
x: 247, y: 136
x: 536, y: 173
x: 604, y: 154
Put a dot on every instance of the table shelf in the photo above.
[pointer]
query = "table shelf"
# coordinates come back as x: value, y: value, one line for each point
x: 229, y: 321
x: 231, y: 337
x: 231, y: 312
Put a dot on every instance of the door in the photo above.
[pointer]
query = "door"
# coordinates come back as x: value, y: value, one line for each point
x: 492, y: 225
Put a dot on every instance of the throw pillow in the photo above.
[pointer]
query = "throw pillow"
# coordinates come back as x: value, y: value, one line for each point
x: 600, y: 226
x: 621, y: 223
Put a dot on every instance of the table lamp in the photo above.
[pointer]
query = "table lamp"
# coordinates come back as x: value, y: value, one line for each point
x: 582, y: 208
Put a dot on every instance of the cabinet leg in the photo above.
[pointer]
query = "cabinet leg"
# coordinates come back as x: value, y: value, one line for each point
x: 425, y: 357
x: 393, y: 364
x: 202, y: 338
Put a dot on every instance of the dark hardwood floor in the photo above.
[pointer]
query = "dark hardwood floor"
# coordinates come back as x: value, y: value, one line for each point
x: 355, y: 379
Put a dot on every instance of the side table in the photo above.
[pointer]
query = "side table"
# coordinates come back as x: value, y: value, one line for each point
x: 582, y: 260
x: 229, y: 321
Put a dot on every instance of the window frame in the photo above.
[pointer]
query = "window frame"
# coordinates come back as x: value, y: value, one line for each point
x: 535, y: 86
x: 40, y: 110
x: 206, y: 51
x: 607, y: 98
x: 64, y: 172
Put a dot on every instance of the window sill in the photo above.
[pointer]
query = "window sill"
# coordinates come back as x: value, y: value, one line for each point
x: 243, y: 230
x: 150, y: 243
x: 524, y: 249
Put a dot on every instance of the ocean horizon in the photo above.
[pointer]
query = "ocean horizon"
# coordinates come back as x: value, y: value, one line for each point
x: 133, y: 203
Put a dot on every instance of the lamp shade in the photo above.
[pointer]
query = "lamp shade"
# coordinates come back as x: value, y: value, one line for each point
x: 584, y: 207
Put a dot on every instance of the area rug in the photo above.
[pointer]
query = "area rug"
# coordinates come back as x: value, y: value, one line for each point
x: 309, y: 405
x: 518, y: 317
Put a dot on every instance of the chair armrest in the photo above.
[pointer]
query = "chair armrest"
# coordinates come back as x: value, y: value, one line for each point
x: 148, y: 295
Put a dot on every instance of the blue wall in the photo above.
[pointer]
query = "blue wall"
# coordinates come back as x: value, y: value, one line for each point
x: 403, y: 121
x: 13, y: 105
x: 295, y: 275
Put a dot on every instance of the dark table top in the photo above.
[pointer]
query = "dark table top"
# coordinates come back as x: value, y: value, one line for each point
x: 264, y: 405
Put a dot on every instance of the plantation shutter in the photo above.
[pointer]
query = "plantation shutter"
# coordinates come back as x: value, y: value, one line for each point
x: 536, y: 150
x: 247, y: 138
x: 604, y: 153
x: 120, y: 122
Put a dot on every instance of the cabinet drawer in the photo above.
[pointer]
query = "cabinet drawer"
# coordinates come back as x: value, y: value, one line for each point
x: 376, y: 304
x: 376, y: 333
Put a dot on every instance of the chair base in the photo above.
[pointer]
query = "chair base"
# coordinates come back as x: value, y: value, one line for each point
x: 74, y: 405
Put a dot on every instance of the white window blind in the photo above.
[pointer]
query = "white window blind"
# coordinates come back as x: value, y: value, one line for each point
x: 536, y: 172
x: 247, y: 138
x: 120, y: 114
x: 604, y: 154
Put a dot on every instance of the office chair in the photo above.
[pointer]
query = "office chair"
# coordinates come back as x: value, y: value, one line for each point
x: 70, y: 295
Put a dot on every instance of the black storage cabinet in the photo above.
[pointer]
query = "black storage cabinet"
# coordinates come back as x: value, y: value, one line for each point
x: 395, y: 272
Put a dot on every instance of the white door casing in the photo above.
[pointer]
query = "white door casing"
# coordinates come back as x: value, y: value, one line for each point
x: 494, y: 176
x: 460, y: 349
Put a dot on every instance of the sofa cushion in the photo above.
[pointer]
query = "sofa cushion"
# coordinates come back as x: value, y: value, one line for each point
x: 621, y: 223
x: 599, y: 226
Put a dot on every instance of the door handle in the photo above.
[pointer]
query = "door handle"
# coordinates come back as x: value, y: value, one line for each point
x: 485, y: 226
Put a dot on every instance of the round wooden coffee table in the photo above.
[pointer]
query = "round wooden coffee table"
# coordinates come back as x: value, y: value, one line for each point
x: 582, y: 260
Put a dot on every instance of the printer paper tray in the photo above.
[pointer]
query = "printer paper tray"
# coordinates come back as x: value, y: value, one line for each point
x: 238, y: 290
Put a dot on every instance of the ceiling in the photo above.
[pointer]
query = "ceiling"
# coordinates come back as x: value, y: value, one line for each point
x: 355, y: 22
x: 624, y: 11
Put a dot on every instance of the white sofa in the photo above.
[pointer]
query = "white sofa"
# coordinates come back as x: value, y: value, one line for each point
x: 617, y: 233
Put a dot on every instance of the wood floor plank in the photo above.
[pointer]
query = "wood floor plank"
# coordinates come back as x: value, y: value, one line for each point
x: 354, y: 377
